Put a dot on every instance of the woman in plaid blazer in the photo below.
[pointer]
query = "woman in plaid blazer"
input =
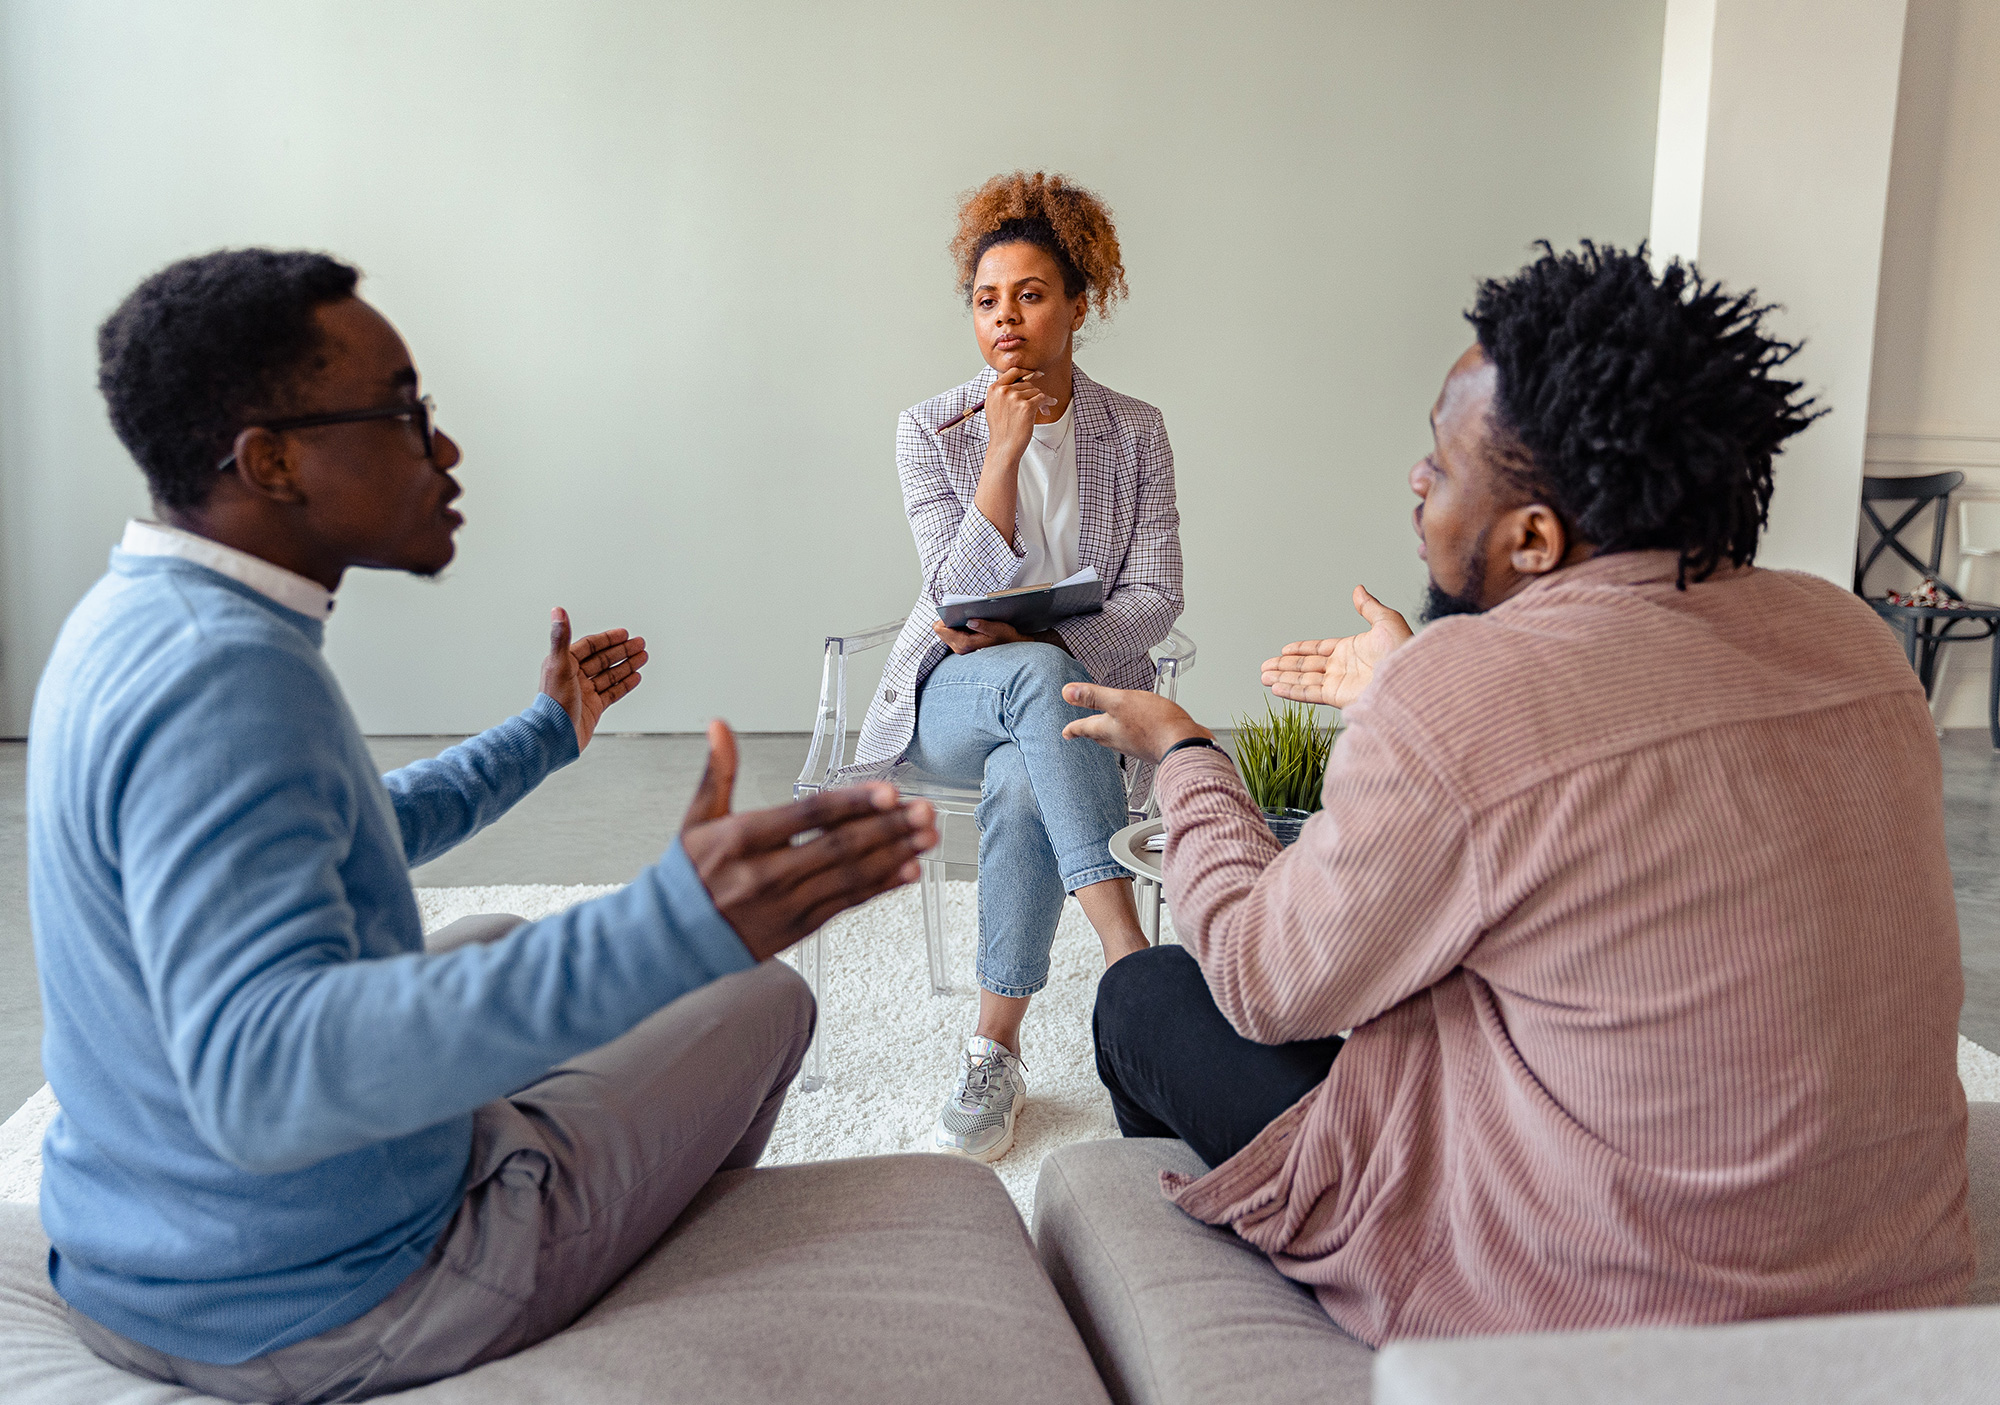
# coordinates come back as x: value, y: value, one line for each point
x: 1055, y: 473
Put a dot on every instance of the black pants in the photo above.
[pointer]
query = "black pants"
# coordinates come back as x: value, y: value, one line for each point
x: 1174, y: 1066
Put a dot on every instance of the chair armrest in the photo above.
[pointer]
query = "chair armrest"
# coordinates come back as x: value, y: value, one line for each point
x: 869, y: 638
x: 829, y: 739
x: 1172, y: 657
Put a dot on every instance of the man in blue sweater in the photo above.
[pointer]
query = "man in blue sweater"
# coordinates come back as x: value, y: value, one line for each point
x: 300, y: 1157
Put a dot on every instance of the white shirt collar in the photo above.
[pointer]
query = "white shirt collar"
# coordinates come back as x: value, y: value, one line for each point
x: 293, y: 591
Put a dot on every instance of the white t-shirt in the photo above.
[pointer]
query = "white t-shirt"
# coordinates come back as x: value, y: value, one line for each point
x: 1047, y: 519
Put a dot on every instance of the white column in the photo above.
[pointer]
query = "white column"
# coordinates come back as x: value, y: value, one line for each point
x: 1772, y: 172
x: 1680, y: 151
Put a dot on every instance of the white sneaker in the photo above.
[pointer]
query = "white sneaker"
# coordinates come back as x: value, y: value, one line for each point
x: 978, y: 1120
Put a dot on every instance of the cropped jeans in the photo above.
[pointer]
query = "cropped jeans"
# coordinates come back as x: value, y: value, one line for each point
x: 1047, y: 807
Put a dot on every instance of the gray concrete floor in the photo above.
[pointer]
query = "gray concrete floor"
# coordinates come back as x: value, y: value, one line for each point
x: 1972, y: 833
x: 606, y: 817
x: 20, y: 1000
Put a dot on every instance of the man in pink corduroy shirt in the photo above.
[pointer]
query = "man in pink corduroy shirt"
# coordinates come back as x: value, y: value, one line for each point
x: 1630, y: 883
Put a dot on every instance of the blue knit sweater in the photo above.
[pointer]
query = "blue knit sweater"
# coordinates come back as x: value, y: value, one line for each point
x: 266, y: 1086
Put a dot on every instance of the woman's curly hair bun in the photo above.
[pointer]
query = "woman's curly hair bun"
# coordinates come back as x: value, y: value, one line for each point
x: 1070, y: 223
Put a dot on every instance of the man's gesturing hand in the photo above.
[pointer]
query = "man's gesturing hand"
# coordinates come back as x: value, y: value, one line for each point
x: 775, y: 892
x: 1138, y: 723
x: 1334, y: 671
x: 588, y: 676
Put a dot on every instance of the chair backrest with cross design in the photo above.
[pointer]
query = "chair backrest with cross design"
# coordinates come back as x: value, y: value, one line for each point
x: 1927, y: 623
x: 1931, y: 492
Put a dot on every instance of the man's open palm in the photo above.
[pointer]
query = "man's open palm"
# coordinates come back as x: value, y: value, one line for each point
x: 776, y: 875
x: 591, y: 674
x: 1334, y: 671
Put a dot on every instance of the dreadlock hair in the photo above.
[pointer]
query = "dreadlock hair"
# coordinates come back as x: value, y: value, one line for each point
x: 203, y: 348
x: 1644, y: 410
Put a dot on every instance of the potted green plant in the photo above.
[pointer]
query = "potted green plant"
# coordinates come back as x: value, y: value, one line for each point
x: 1282, y: 759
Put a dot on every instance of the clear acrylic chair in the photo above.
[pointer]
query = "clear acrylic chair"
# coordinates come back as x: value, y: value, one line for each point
x: 828, y: 766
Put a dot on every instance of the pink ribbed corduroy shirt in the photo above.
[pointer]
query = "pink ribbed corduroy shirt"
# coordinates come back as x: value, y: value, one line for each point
x: 1636, y: 900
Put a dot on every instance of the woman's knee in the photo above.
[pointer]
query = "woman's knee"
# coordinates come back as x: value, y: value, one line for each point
x: 1047, y: 667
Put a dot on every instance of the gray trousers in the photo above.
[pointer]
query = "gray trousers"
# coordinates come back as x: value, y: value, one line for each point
x: 571, y: 1181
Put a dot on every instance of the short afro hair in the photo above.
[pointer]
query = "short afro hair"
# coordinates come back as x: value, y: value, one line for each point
x: 204, y: 348
x: 1065, y: 221
x: 1645, y: 410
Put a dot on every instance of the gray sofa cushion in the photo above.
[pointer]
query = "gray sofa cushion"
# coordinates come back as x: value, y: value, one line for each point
x: 1175, y: 1311
x: 896, y: 1278
x: 1982, y: 1160
x: 1940, y: 1357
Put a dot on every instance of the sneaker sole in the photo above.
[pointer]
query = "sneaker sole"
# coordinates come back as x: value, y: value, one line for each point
x: 999, y: 1148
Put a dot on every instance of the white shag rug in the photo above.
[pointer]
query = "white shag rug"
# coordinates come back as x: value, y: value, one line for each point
x: 892, y: 1047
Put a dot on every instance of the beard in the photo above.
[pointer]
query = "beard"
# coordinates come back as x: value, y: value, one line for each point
x: 1439, y: 602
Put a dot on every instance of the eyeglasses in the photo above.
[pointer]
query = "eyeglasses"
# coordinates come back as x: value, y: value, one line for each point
x: 420, y: 415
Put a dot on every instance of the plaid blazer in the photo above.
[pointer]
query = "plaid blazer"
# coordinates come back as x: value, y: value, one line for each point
x: 1129, y: 532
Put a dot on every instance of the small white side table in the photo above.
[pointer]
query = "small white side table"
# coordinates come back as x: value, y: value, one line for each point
x: 1128, y: 847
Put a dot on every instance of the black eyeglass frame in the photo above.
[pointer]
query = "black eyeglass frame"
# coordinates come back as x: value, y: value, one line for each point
x: 423, y: 414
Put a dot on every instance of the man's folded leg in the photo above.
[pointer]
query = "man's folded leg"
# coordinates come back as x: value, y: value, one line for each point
x: 482, y: 927
x: 571, y: 1182
x: 634, y: 1130
x: 1175, y: 1067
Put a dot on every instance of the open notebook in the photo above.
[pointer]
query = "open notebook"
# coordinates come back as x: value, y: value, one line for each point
x: 1029, y: 608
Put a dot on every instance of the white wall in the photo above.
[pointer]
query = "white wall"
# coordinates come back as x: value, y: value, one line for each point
x: 1680, y: 153
x: 1936, y: 398
x: 671, y: 271
x: 1786, y: 196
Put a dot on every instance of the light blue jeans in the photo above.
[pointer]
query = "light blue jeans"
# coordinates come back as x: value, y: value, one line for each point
x: 1047, y: 807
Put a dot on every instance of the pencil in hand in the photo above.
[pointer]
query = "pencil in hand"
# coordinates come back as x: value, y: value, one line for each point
x: 961, y: 419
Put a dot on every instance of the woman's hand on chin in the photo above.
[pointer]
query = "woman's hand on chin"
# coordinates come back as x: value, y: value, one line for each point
x: 1012, y: 403
x: 978, y: 634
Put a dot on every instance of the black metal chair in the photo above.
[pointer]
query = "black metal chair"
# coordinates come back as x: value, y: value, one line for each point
x: 1926, y: 629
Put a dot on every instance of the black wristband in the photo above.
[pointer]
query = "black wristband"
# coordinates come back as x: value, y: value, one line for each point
x: 1208, y: 742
